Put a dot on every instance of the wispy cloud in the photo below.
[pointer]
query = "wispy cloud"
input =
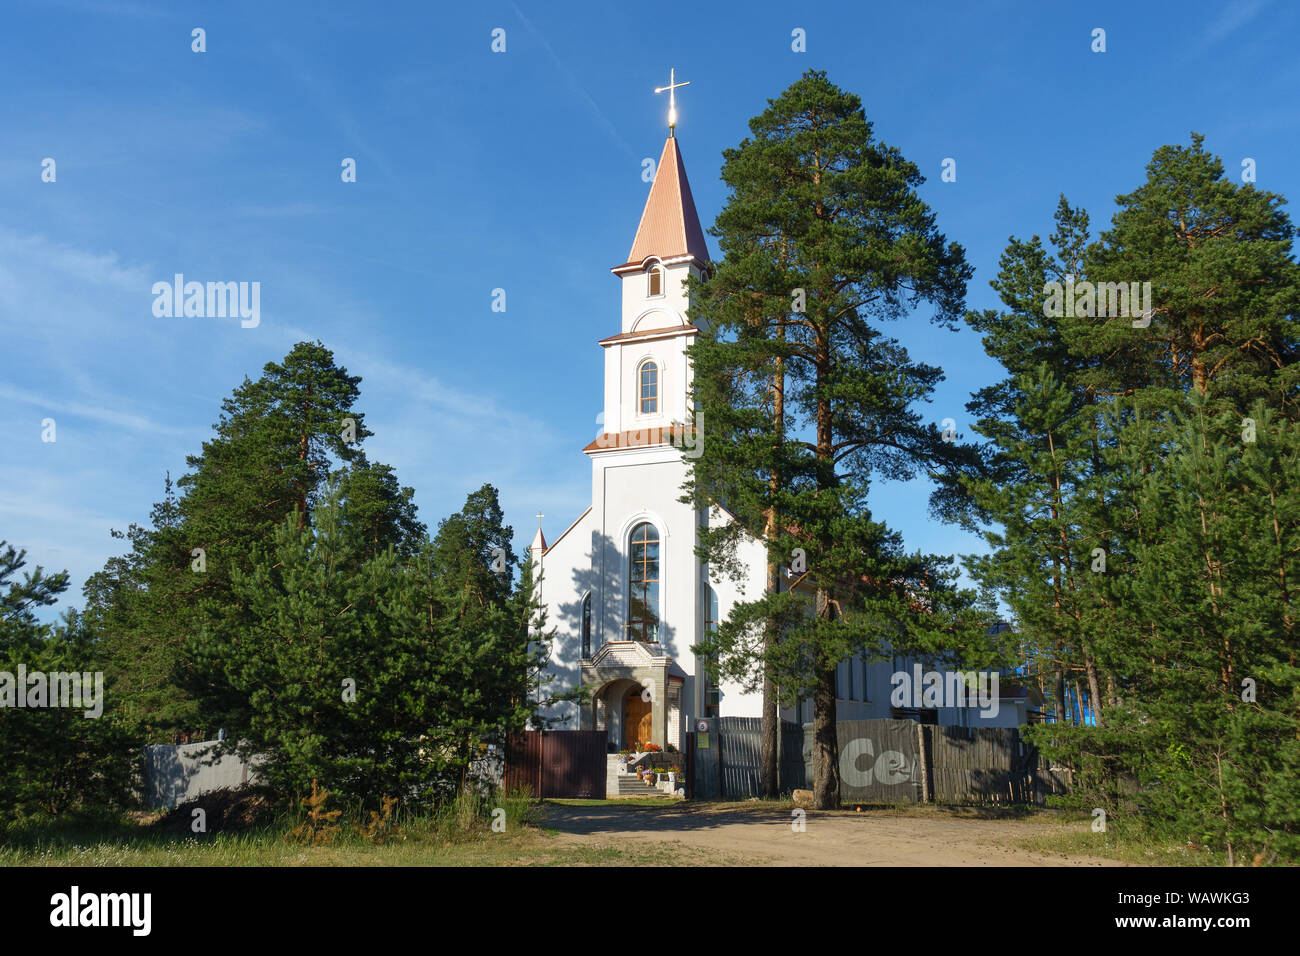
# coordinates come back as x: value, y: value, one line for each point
x: 106, y: 8
x: 286, y: 210
x: 92, y: 268
x: 327, y: 100
x: 94, y: 413
x: 447, y: 408
x: 577, y: 87
x: 1233, y: 17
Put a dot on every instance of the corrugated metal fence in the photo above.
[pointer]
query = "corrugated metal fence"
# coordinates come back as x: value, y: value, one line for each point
x: 881, y: 761
x: 557, y: 763
x: 726, y: 758
x: 177, y: 774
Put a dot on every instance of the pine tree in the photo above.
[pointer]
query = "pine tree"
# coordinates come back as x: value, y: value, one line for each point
x: 1211, y: 715
x: 1043, y: 465
x: 823, y: 235
x: 302, y: 688
x: 472, y: 638
x: 1224, y: 286
x: 55, y: 758
x: 1124, y: 436
x: 274, y: 450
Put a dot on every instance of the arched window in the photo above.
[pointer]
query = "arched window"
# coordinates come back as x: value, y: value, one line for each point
x: 654, y: 280
x: 586, y: 626
x: 649, y: 379
x: 643, y: 584
x: 712, y: 697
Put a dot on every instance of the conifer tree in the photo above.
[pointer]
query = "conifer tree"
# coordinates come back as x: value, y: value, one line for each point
x: 304, y: 686
x: 1141, y: 491
x: 274, y: 449
x: 824, y: 237
x: 54, y: 757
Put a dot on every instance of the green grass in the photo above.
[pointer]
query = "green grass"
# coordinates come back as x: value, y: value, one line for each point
x: 528, y: 846
x: 459, y: 835
x: 1074, y: 837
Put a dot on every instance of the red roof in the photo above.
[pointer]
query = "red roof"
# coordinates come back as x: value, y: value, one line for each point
x: 667, y: 333
x: 670, y: 226
x: 674, y: 434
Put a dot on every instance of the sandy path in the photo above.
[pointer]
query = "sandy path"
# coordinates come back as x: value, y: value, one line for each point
x: 843, y: 838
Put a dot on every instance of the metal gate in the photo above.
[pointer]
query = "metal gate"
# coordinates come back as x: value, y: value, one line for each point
x: 726, y: 758
x: 558, y: 763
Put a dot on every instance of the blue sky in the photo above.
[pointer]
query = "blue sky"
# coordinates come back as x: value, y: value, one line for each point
x: 518, y: 170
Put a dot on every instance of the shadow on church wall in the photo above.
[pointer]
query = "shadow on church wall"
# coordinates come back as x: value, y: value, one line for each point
x: 603, y: 577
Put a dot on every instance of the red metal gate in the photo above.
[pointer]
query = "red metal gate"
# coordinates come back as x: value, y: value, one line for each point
x: 524, y: 763
x: 558, y: 763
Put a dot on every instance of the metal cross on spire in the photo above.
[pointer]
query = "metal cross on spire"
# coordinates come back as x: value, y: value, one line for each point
x: 671, y: 88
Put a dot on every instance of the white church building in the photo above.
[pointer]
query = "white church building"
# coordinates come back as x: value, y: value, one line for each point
x: 622, y: 585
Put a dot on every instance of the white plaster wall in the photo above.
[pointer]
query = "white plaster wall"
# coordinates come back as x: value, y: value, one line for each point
x: 673, y: 301
x: 734, y: 701
x: 644, y: 485
x: 623, y: 384
x: 565, y: 574
x: 630, y: 486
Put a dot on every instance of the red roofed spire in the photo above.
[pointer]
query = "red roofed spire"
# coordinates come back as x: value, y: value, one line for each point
x: 670, y: 226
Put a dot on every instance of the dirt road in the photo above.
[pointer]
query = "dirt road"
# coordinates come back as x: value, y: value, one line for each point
x: 764, y: 836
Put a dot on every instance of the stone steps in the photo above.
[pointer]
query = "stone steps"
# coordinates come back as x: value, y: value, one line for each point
x: 630, y: 786
x: 625, y: 784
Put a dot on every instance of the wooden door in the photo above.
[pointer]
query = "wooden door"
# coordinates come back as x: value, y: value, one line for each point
x: 638, y: 722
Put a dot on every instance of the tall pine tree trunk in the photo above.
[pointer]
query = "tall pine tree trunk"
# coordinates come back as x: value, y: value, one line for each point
x: 771, y: 716
x: 767, y: 766
x: 826, y: 790
x: 826, y: 748
x: 1094, y: 686
x: 1060, y: 684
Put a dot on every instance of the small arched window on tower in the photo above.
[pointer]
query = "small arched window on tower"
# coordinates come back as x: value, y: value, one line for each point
x: 586, y: 626
x: 649, y: 383
x: 654, y: 280
x: 643, y: 584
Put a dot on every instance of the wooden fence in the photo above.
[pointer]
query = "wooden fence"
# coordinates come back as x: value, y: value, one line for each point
x: 992, y: 765
x: 881, y: 761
